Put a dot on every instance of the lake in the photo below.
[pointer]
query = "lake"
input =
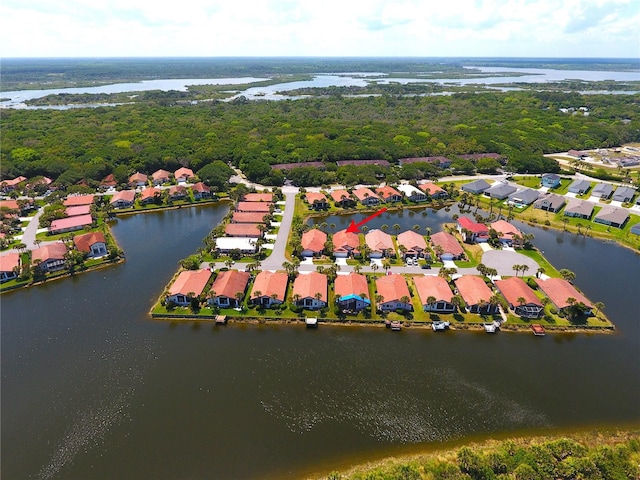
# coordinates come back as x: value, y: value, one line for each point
x: 93, y: 388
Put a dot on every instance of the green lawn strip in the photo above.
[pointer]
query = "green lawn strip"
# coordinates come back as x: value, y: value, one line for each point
x: 535, y: 255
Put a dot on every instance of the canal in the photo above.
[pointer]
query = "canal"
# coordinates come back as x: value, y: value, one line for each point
x: 93, y: 388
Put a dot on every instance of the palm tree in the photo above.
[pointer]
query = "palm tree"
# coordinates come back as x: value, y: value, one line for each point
x: 431, y: 300
x: 416, y: 228
x: 599, y: 307
x: 386, y: 264
x: 568, y: 275
x: 406, y: 300
x: 516, y: 268
x: 357, y: 268
x: 379, y: 300
x: 374, y: 267
x: 384, y: 227
x: 364, y: 229
x: 333, y: 227
x: 396, y: 228
x: 524, y: 268
x: 521, y: 301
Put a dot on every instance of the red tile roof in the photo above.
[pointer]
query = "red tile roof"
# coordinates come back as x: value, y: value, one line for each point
x: 559, y: 290
x: 338, y: 195
x: 200, y: 187
x: 315, y: 197
x: 149, y: 193
x: 76, y: 200
x: 448, y: 243
x: 474, y: 227
x: 71, y: 222
x: 344, y: 239
x: 242, y: 230
x: 160, y: 175
x: 431, y: 188
x: 248, y: 217
x: 78, y: 210
x: 392, y: 288
x: 411, y: 240
x: 14, y: 181
x: 83, y: 242
x: 270, y: 283
x: 382, y: 163
x: 52, y: 251
x: 307, y: 285
x: 505, y: 229
x: 258, y: 197
x: 433, y: 286
x: 351, y: 284
x: 138, y: 178
x: 364, y: 192
x: 109, y: 181
x: 190, y: 281
x: 387, y: 192
x: 230, y: 283
x: 184, y: 173
x: 9, y: 261
x: 473, y: 289
x: 253, y: 207
x: 9, y: 204
x: 177, y: 190
x: 378, y: 241
x: 313, y: 240
x: 513, y: 288
x: 124, y: 195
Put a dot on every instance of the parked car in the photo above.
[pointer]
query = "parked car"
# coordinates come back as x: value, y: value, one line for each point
x: 426, y: 266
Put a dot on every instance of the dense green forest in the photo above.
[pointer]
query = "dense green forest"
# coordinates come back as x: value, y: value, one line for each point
x: 88, y: 144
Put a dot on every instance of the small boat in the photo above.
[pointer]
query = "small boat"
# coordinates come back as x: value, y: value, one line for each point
x: 396, y: 326
x: 490, y: 327
x: 439, y: 326
x: 538, y: 330
x: 311, y: 322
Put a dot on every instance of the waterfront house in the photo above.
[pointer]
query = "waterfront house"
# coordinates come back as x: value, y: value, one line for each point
x: 579, y: 186
x: 50, y: 257
x: 249, y: 230
x: 550, y: 180
x: 269, y: 288
x: 433, y: 190
x: 316, y: 200
x: 389, y: 194
x: 623, y: 194
x: 472, y: 231
x: 500, y: 190
x: 411, y: 244
x: 160, y: 176
x: 258, y: 197
x: 635, y: 229
x: 508, y: 234
x: 189, y: 284
x: 379, y: 243
x: 244, y: 245
x: 228, y: 288
x: 436, y: 289
x: 523, y: 197
x: 92, y: 244
x: 342, y: 198
x: 312, y: 242
x: 394, y: 293
x: 123, y: 199
x: 200, y: 191
x: 9, y: 266
x: 520, y: 297
x: 78, y: 200
x: 310, y: 290
x: 476, y: 187
x: 138, y: 180
x: 70, y: 224
x: 345, y: 244
x: 578, y: 208
x: 602, y: 190
x: 263, y: 207
x: 150, y: 195
x: 612, y: 216
x: 177, y: 192
x: 77, y: 210
x: 560, y: 291
x: 248, y: 217
x: 451, y: 249
x: 476, y: 294
x: 366, y: 196
x: 352, y: 291
x: 183, y: 174
x: 550, y: 202
x: 412, y: 193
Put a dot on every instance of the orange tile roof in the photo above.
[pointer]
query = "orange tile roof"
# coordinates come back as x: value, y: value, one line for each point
x: 49, y: 252
x: 270, y: 283
x: 351, y: 284
x: 364, y: 192
x: 392, y: 288
x: 14, y: 181
x: 124, y: 195
x: 448, y: 243
x: 313, y: 240
x: 160, y: 175
x: 473, y: 289
x: 505, y: 229
x: 242, y: 230
x: 138, y: 178
x: 9, y: 261
x: 9, y: 204
x: 433, y: 286
x: 200, y: 187
x: 431, y: 188
x: 315, y: 197
x: 387, y: 191
x: 559, y: 290
x: 253, y: 207
x: 307, y: 285
x: 184, y: 173
x: 190, y: 281
x: 411, y: 240
x: 149, y: 193
x: 378, y: 241
x: 177, y: 190
x: 258, y: 197
x: 248, y: 217
x: 230, y: 283
x: 83, y: 242
x: 344, y: 239
x: 77, y: 200
x: 513, y: 288
x: 338, y: 195
x: 109, y: 181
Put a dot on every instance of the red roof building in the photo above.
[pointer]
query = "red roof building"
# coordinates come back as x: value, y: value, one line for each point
x: 389, y: 194
x: 451, y: 249
x: 248, y: 217
x: 258, y: 197
x: 138, y: 180
x: 248, y: 230
x: 109, y: 181
x: 394, y: 292
x: 345, y: 244
x: 160, y: 176
x: 342, y: 198
x: 472, y: 231
x: 93, y: 244
x: 9, y: 266
x: 189, y: 284
x: 413, y: 242
x: 123, y: 199
x: 70, y: 224
x: 77, y: 200
x: 228, y: 288
x: 183, y: 174
x: 78, y: 210
x: 150, y: 195
x: 476, y: 294
x: 352, y: 292
x: 316, y: 200
x: 264, y: 207
x: 312, y: 242
x: 380, y: 243
x: 438, y: 290
x: 433, y: 190
x: 366, y: 196
x: 11, y: 184
x: 521, y: 298
x: 507, y: 233
x: 200, y: 190
x: 50, y: 257
x: 269, y: 288
x: 177, y: 192
x: 310, y: 290
x: 560, y: 291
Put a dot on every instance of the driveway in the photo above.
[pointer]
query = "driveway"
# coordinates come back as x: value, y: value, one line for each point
x: 504, y: 260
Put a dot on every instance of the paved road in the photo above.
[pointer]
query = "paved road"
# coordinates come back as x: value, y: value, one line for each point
x: 277, y: 257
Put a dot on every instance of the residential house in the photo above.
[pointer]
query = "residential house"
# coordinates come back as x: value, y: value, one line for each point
x: 78, y: 200
x: 244, y: 245
x: 500, y: 190
x: 150, y: 195
x: 394, y: 293
x: 247, y: 230
x: 317, y: 201
x: 200, y: 191
x: 476, y: 187
x: 550, y: 202
x: 380, y: 244
x: 523, y: 197
x: 560, y: 292
x: 520, y: 297
x: 19, y: 207
x: 92, y: 244
x: 451, y: 249
x: 380, y: 163
x: 258, y: 197
x: 228, y: 288
x: 248, y: 217
x: 160, y: 177
x: 177, y: 192
x: 411, y: 244
x: 138, y: 180
x: 578, y: 208
x: 11, y: 184
x: 579, y: 186
x: 183, y: 174
x: 623, y: 194
x: 366, y: 197
x: 550, y: 180
x: 70, y: 224
x: 412, y: 193
x: 50, y: 257
x: 345, y: 244
x: 269, y: 288
x: 613, y: 216
x: 263, y: 207
x: 434, y: 191
x: 352, y: 292
x: 472, y: 231
x: 189, y: 284
x: 78, y: 210
x: 342, y: 198
x: 436, y: 289
x: 476, y: 294
x: 312, y: 242
x: 508, y: 234
x: 602, y: 190
x: 123, y: 199
x: 389, y: 194
x: 9, y: 266
x: 108, y: 182
x: 310, y: 290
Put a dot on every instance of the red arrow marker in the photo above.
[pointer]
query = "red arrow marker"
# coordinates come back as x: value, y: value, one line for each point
x: 355, y: 227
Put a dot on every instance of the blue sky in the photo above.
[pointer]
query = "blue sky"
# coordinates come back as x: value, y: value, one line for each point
x: 517, y: 28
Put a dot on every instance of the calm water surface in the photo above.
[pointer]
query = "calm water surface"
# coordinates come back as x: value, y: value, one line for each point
x: 92, y: 388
